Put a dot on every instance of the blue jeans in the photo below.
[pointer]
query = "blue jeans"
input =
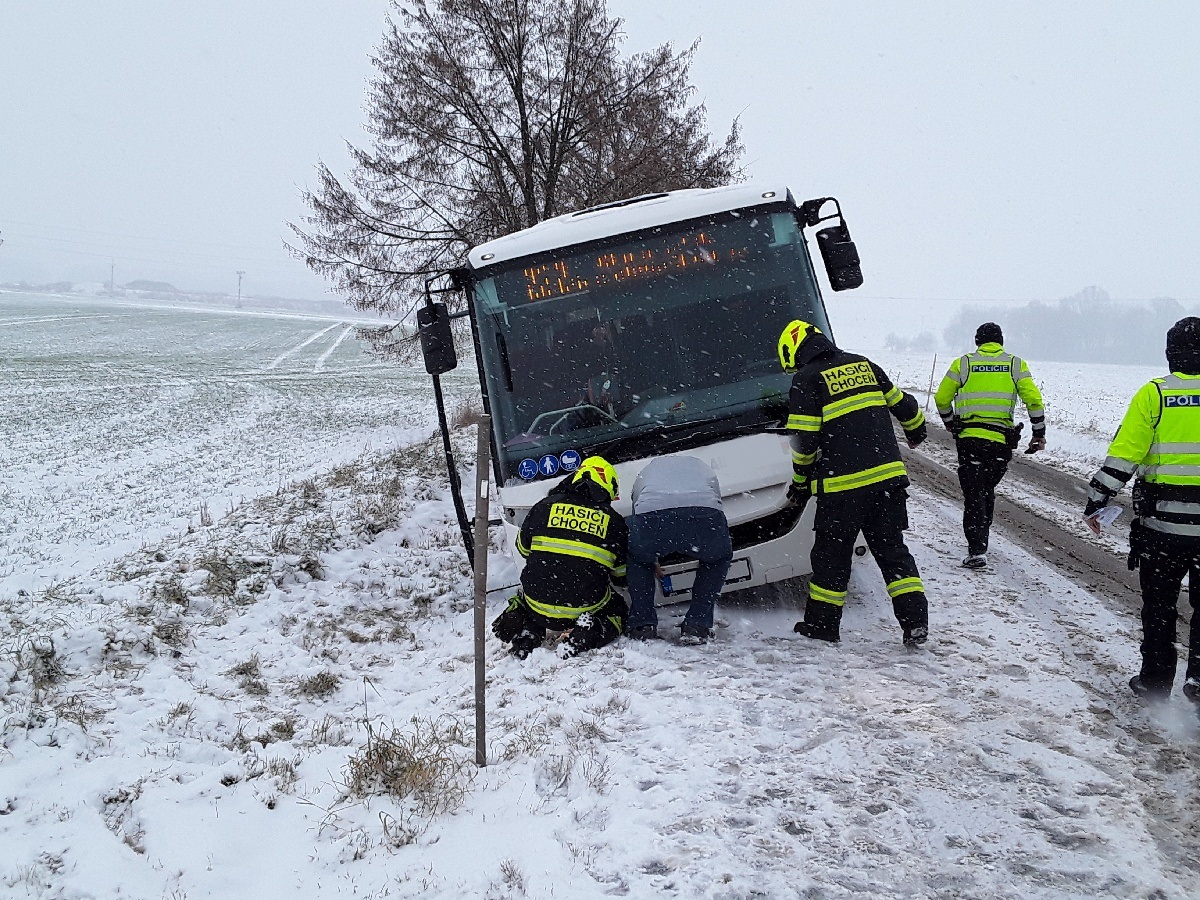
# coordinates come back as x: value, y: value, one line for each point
x: 695, y: 531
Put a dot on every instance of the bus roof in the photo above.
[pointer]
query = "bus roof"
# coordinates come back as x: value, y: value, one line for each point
x: 622, y: 217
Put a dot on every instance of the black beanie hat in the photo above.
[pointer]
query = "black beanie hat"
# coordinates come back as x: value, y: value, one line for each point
x: 988, y: 332
x: 1183, y: 346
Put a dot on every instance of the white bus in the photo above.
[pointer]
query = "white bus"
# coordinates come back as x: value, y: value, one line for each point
x: 643, y: 328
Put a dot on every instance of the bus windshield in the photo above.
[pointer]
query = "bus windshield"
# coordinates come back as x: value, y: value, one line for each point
x: 670, y: 331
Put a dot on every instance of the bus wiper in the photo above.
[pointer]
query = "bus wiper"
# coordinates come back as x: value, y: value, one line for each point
x: 502, y: 349
x: 672, y: 434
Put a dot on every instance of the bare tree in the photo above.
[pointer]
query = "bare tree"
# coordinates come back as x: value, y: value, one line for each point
x: 488, y: 116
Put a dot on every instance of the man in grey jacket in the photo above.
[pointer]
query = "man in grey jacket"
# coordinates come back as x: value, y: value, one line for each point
x: 677, y: 509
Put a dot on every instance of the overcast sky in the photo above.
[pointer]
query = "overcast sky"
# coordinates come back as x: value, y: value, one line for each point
x: 1005, y: 150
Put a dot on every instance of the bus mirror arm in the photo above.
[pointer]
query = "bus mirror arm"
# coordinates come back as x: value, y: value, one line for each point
x: 810, y: 211
x: 437, y: 346
x: 460, y: 510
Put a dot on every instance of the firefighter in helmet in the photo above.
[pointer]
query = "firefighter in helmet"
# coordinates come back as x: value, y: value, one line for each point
x: 844, y: 452
x: 574, y: 545
x: 1159, y: 439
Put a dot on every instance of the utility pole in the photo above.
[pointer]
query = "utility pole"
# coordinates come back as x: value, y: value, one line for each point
x: 239, y: 299
x: 112, y: 276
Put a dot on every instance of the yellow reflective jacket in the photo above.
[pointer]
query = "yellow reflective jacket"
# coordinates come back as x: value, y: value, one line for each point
x: 983, y: 387
x: 1159, y: 439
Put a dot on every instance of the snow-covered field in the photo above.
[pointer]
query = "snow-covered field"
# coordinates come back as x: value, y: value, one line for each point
x: 279, y: 704
x: 122, y: 421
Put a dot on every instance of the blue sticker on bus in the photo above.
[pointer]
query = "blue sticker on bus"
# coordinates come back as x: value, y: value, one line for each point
x: 569, y: 460
x: 528, y: 469
x: 548, y: 464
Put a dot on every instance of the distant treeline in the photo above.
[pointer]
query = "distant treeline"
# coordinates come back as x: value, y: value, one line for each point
x: 1088, y: 327
x: 52, y: 287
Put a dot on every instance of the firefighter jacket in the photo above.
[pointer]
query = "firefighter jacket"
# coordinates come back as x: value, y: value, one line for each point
x: 574, y: 546
x: 842, y: 437
x: 1159, y: 438
x: 981, y: 390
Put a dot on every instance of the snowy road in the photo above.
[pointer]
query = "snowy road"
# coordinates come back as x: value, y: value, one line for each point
x: 1038, y: 507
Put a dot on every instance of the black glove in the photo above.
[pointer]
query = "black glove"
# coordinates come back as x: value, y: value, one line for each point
x: 916, y: 435
x: 524, y: 644
x: 954, y: 425
x: 509, y: 623
x: 798, y: 495
x: 1093, y: 507
x: 1036, y: 443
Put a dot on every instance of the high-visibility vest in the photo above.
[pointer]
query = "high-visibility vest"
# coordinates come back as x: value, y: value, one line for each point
x: 983, y: 387
x: 1174, y: 454
x: 1159, y: 440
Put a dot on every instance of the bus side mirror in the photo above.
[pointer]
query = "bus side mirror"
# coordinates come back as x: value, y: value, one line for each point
x: 841, y: 257
x: 437, y: 343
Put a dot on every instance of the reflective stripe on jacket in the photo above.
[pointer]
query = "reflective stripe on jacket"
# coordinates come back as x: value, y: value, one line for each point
x: 574, y: 544
x: 1159, y: 440
x: 841, y: 407
x: 981, y: 387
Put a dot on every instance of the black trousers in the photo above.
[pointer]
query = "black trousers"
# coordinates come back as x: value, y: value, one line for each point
x: 882, y: 517
x: 1163, y: 560
x: 981, y: 465
x: 526, y: 629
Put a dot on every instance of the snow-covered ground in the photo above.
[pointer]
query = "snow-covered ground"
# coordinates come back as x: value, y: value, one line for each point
x: 279, y: 704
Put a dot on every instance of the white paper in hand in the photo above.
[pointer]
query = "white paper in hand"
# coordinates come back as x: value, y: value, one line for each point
x: 1107, y: 515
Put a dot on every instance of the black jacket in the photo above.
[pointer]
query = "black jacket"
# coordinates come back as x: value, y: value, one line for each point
x: 574, y: 544
x: 842, y: 436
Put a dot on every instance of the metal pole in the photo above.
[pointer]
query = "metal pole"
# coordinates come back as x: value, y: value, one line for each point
x: 929, y: 392
x: 482, y: 483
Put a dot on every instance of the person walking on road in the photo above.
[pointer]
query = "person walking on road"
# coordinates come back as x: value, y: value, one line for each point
x: 677, y: 509
x: 574, y: 544
x: 844, y: 452
x: 977, y: 400
x: 1160, y: 439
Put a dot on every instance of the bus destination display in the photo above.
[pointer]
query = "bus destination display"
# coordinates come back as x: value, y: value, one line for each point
x: 645, y: 259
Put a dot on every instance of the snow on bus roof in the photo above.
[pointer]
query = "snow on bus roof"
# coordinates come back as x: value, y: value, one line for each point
x: 621, y: 217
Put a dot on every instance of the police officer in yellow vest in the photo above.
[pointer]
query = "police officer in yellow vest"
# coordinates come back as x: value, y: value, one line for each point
x: 977, y: 400
x: 844, y: 451
x: 1160, y: 438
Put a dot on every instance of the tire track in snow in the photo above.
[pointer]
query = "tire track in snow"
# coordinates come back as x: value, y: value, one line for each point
x: 324, y: 356
x: 1081, y: 560
x: 17, y: 322
x: 304, y: 343
x: 1152, y: 760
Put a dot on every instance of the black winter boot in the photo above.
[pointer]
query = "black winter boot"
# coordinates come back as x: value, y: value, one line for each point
x: 822, y: 621
x: 817, y: 633
x: 1151, y: 693
x: 912, y: 612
